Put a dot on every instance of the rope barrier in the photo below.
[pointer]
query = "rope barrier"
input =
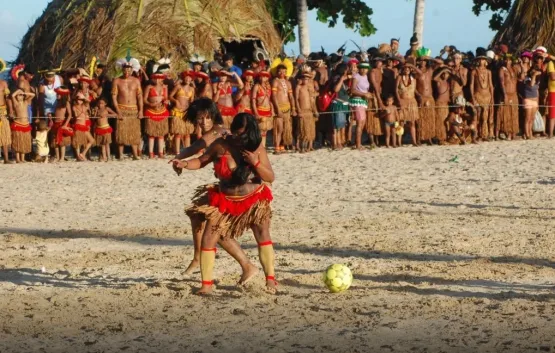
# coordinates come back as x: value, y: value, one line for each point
x: 368, y: 109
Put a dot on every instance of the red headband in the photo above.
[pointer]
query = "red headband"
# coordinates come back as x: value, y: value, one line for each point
x: 202, y: 74
x: 62, y: 91
x: 85, y: 79
x: 188, y: 73
x: 157, y: 76
x: 264, y: 74
x: 248, y: 73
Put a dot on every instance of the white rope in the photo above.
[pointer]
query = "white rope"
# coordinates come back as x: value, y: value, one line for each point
x: 348, y: 109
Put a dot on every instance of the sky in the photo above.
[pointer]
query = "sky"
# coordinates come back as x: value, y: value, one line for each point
x: 446, y: 22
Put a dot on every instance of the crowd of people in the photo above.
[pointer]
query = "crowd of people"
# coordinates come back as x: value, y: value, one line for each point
x: 337, y: 100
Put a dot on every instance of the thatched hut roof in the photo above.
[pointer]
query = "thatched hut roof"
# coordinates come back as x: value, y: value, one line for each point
x: 529, y: 24
x: 76, y: 30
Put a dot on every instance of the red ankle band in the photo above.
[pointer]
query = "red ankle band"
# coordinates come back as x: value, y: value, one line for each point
x: 207, y: 283
x: 270, y: 278
x: 208, y: 250
x: 269, y: 242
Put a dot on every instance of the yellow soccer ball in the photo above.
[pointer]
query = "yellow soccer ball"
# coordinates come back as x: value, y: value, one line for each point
x: 338, y: 278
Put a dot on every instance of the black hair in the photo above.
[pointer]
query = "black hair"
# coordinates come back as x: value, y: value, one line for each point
x: 281, y: 67
x: 341, y: 68
x: 204, y: 105
x: 251, y: 139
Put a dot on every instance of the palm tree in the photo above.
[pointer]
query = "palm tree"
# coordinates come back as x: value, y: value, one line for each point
x: 302, y: 19
x: 528, y: 25
x: 419, y: 20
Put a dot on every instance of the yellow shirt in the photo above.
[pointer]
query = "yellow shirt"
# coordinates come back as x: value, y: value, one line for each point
x: 551, y: 83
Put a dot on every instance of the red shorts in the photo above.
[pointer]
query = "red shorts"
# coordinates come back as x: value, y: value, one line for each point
x: 551, y: 104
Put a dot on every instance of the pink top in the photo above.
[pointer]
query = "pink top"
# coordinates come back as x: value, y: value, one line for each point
x: 363, y: 85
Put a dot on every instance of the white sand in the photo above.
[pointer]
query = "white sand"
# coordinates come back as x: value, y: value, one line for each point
x: 447, y: 257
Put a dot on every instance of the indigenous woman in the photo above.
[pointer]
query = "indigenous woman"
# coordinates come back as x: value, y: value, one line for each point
x: 60, y: 132
x: 507, y: 121
x: 360, y: 93
x: 261, y: 102
x: 530, y: 95
x: 240, y: 201
x: 405, y: 92
x: 156, y: 112
x: 203, y: 86
x: 243, y: 97
x: 340, y: 106
x: 223, y: 95
x: 82, y: 127
x: 204, y: 113
x: 84, y: 88
x: 182, y: 96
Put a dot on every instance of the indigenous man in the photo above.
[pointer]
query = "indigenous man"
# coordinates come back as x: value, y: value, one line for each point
x: 389, y: 77
x: 127, y: 98
x: 5, y: 133
x: 21, y: 129
x: 481, y: 91
x: 413, y: 46
x: 307, y: 112
x: 427, y: 119
x: 284, y: 103
x: 394, y: 46
x: 458, y: 78
x: 443, y: 90
x: 507, y: 121
x: 373, y: 122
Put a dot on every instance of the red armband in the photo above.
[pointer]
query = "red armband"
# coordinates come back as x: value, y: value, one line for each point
x: 257, y: 164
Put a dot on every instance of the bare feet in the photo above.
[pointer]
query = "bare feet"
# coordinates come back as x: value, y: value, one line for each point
x: 271, y: 286
x: 195, y: 264
x: 248, y: 273
x: 205, y: 289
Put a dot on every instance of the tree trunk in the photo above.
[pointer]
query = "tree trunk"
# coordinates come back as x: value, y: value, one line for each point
x: 419, y: 21
x: 304, y: 39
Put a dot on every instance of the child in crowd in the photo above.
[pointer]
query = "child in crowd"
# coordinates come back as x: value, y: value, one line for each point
x: 103, y: 130
x: 42, y: 150
x: 391, y: 121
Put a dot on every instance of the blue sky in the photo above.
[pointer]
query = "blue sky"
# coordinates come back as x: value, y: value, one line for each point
x: 446, y: 22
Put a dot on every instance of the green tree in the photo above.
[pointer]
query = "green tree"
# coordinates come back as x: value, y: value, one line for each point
x: 500, y: 9
x: 355, y: 14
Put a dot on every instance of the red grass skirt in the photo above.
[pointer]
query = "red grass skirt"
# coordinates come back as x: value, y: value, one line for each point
x: 157, y: 124
x: 103, y: 135
x: 21, y: 137
x: 230, y: 216
x: 228, y: 113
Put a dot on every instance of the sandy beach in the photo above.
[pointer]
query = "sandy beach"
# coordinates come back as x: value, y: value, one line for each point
x: 446, y: 256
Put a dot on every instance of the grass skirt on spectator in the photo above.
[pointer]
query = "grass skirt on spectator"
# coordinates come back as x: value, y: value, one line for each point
x: 410, y: 111
x: 307, y: 126
x: 442, y: 112
x: 427, y: 119
x: 5, y: 132
x: 128, y: 130
x: 180, y: 126
x: 373, y: 121
x: 21, y: 138
x: 507, y: 119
